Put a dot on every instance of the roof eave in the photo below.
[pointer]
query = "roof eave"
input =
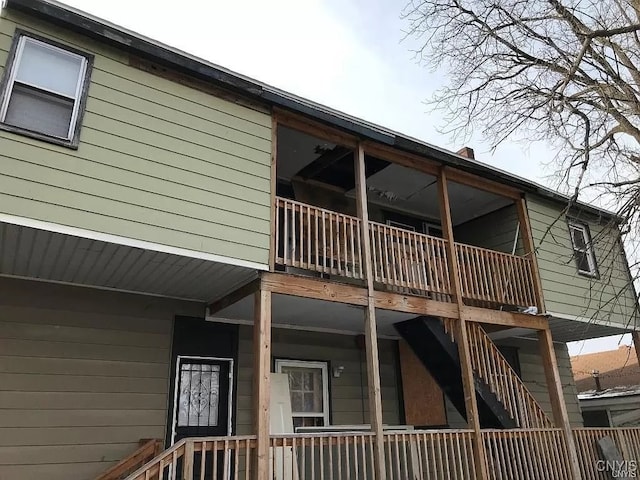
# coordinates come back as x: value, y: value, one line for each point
x: 139, y: 45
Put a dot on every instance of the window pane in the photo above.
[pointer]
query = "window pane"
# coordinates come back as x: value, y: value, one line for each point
x: 39, y: 112
x: 306, y: 388
x: 199, y: 390
x: 578, y: 238
x: 49, y: 68
x: 583, y: 261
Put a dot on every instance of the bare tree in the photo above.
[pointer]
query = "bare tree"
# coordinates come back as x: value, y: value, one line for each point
x: 566, y: 72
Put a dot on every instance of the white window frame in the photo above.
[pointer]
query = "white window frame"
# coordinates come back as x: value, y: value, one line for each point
x: 78, y: 99
x: 588, y: 250
x: 324, y: 366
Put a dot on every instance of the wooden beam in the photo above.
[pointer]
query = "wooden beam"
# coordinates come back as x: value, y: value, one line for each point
x: 530, y: 250
x: 323, y: 162
x: 508, y: 319
x: 298, y: 286
x: 409, y: 160
x: 558, y: 406
x: 462, y: 340
x: 635, y: 335
x: 481, y: 183
x: 261, y: 380
x: 413, y: 304
x: 314, y: 128
x: 370, y: 327
x: 234, y: 297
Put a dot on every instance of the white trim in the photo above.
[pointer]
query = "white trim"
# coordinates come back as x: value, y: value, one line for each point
x: 588, y: 248
x: 129, y: 242
x: 324, y: 367
x: 230, y: 406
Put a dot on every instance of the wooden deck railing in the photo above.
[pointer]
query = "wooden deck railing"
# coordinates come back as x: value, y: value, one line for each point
x: 430, y: 454
x: 316, y: 239
x: 148, y: 449
x: 202, y: 458
x: 320, y: 240
x: 526, y: 454
x: 322, y: 455
x: 531, y: 454
x: 489, y: 364
x: 409, y: 260
x: 494, y: 278
x: 627, y: 441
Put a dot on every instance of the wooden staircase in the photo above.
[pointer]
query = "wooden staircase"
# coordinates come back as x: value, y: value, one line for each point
x: 503, y: 399
x: 149, y: 448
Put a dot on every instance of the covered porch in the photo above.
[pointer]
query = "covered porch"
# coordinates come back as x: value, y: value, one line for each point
x: 342, y: 444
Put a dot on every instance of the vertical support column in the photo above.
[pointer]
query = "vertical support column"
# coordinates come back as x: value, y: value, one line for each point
x: 530, y: 249
x: 370, y: 328
x: 635, y: 335
x: 471, y: 404
x: 262, y: 377
x: 554, y: 385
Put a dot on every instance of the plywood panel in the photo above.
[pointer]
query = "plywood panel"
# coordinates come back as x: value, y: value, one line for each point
x: 423, y: 399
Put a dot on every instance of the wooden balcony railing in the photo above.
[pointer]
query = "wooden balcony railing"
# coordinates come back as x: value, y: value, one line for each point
x: 495, y: 278
x: 410, y: 260
x: 319, y: 240
x: 531, y: 454
x: 489, y: 364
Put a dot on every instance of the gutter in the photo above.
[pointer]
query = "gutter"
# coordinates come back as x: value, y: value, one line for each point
x: 121, y: 38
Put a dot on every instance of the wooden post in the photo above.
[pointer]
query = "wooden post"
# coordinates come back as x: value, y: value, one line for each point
x: 635, y: 335
x: 370, y: 329
x: 470, y: 401
x: 273, y: 248
x: 530, y: 250
x: 554, y: 385
x: 261, y: 379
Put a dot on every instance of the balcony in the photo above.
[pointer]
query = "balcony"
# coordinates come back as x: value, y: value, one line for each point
x: 321, y: 242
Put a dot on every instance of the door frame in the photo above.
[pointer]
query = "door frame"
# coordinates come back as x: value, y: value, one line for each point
x: 176, y: 381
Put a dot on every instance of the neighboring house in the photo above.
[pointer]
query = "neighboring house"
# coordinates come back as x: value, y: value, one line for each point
x: 173, y: 236
x: 608, y: 385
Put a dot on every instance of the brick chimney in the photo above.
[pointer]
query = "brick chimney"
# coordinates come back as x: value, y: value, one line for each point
x: 467, y: 152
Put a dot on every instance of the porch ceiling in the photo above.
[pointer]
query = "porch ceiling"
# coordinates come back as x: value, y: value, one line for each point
x: 43, y: 255
x: 287, y: 310
x: 564, y: 330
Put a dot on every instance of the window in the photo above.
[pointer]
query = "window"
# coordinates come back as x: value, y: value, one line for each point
x: 309, y: 389
x: 582, y: 249
x: 44, y: 91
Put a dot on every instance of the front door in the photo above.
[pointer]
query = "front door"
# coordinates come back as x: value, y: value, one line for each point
x: 202, y: 403
x: 204, y: 355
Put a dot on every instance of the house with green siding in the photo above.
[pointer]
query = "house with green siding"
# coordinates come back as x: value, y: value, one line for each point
x: 202, y: 276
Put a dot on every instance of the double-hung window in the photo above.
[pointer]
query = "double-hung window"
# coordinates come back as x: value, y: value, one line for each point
x: 309, y: 390
x: 583, y: 249
x: 44, y: 90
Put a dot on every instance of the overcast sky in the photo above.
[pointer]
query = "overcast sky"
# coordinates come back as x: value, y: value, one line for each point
x: 347, y: 54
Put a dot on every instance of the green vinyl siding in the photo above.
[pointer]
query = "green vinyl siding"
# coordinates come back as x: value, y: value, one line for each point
x: 609, y: 299
x: 84, y: 375
x: 497, y: 230
x: 347, y: 394
x: 158, y: 161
